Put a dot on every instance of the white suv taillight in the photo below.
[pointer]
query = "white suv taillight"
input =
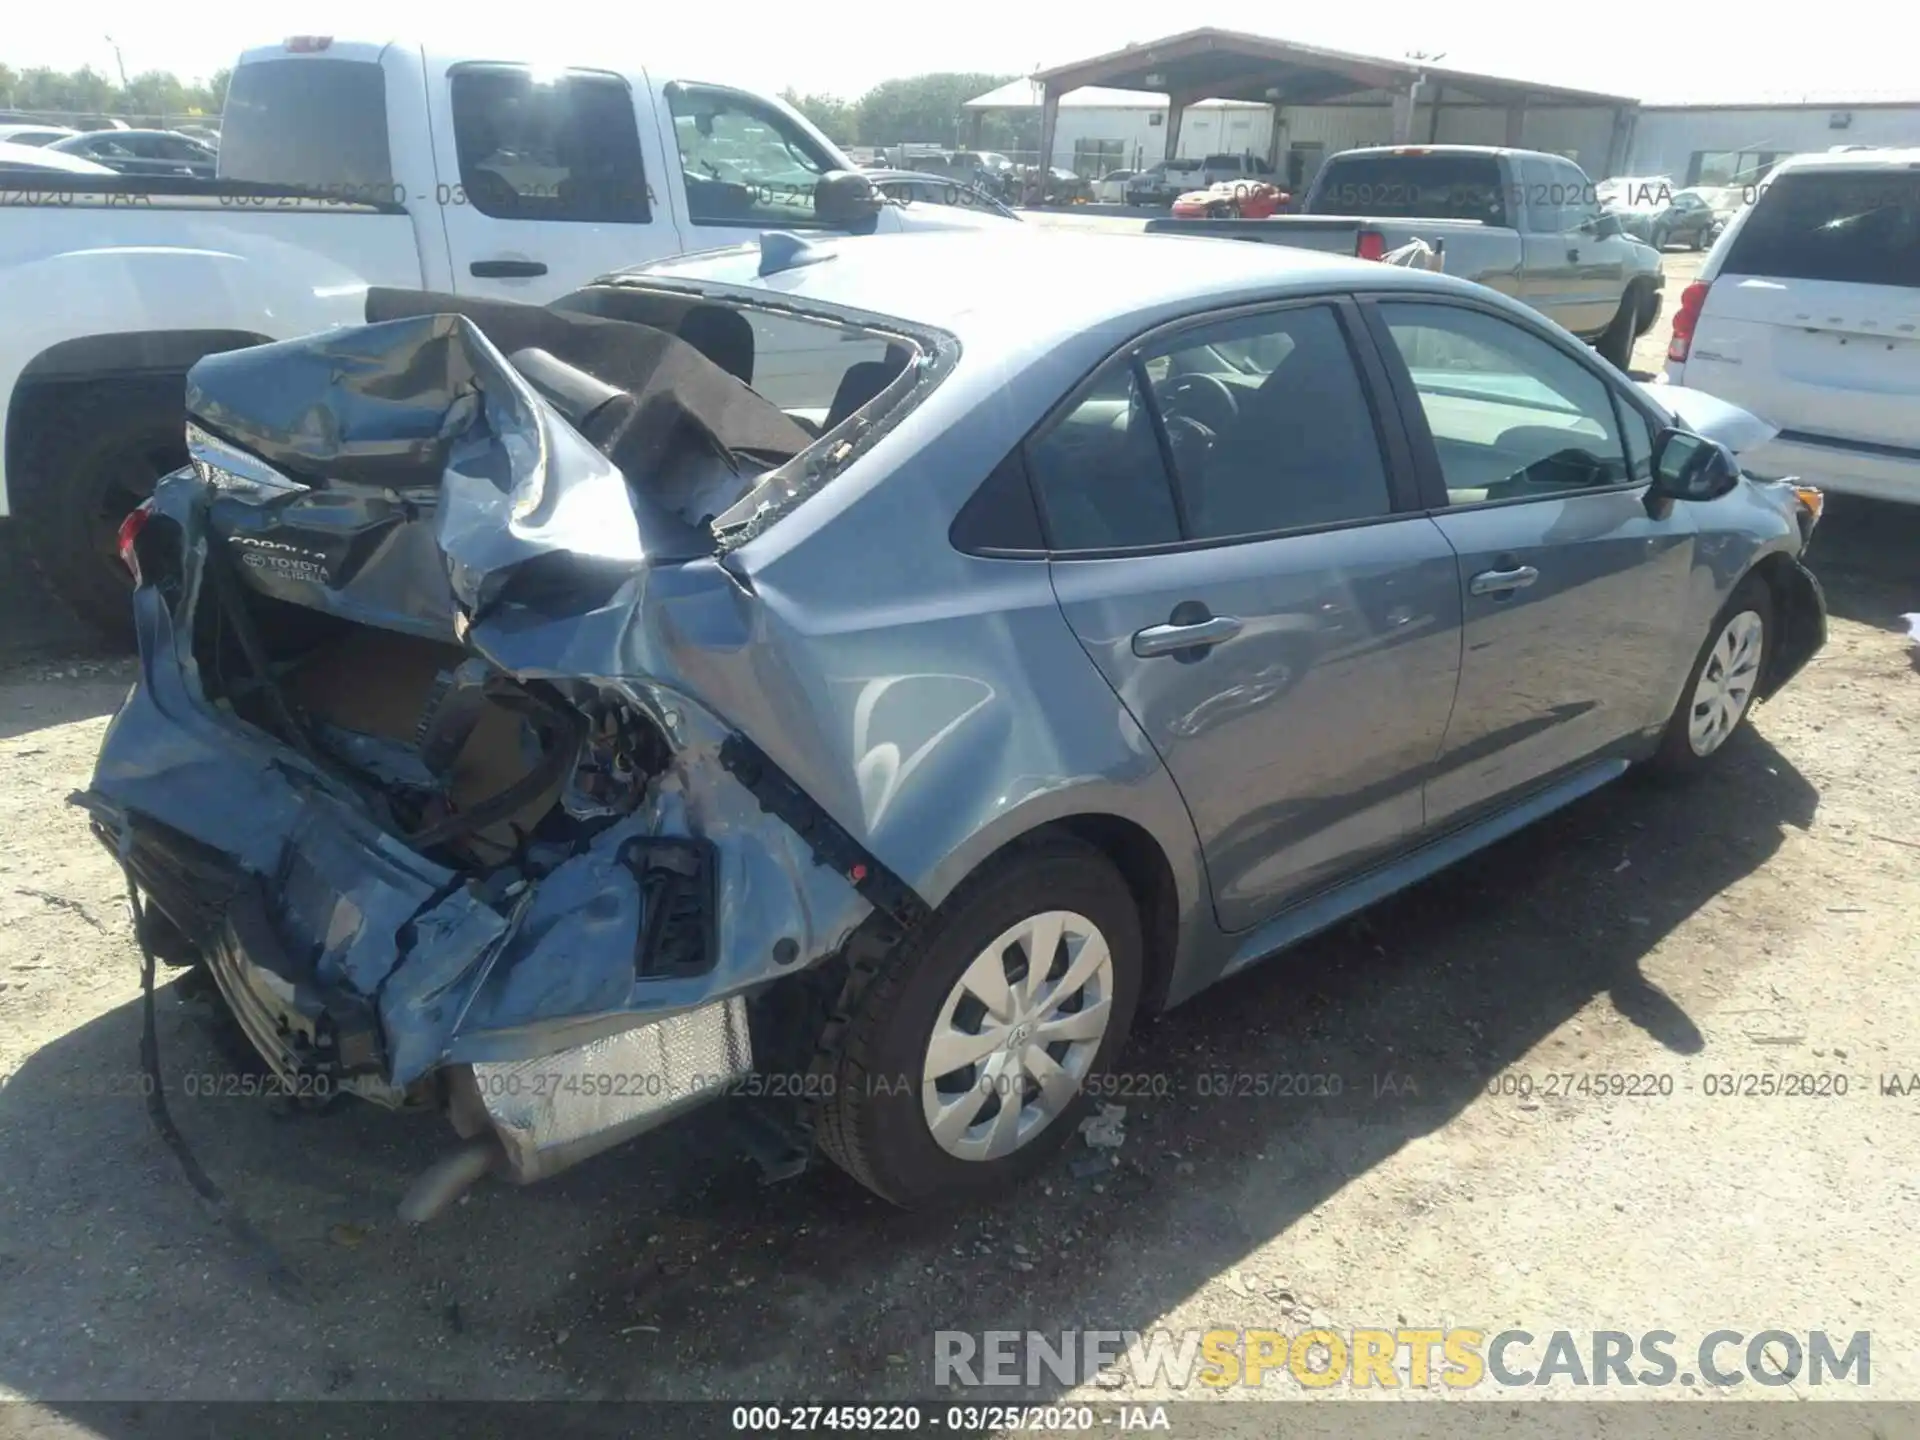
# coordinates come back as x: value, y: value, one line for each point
x: 1692, y: 300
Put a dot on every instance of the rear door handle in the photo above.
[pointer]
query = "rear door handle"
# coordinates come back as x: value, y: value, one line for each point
x: 1573, y: 255
x: 506, y: 269
x: 1169, y: 639
x: 1494, y: 582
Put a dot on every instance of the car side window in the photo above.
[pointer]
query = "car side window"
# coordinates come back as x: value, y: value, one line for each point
x: 1098, y: 470
x: 561, y: 149
x: 1579, y: 200
x: 1512, y: 415
x: 1638, y: 432
x: 1538, y: 194
x: 1269, y: 425
x: 744, y: 162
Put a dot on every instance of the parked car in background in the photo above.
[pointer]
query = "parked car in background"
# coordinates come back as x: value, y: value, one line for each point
x: 24, y: 160
x: 1633, y: 191
x: 345, y: 165
x: 1214, y: 169
x: 1054, y: 185
x: 1518, y: 221
x: 142, y: 152
x: 1807, y: 313
x: 33, y: 134
x: 1687, y: 217
x: 612, y: 765
x: 1111, y: 188
x: 1251, y: 199
x: 1165, y: 181
x: 913, y: 187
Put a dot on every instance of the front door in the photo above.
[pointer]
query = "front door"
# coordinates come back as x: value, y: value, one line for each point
x: 1576, y: 601
x: 1238, y: 558
x: 547, y: 183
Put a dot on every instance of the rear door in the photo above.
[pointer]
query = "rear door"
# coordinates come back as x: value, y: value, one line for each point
x: 1576, y: 602
x: 545, y: 181
x: 1237, y: 545
x: 1813, y: 319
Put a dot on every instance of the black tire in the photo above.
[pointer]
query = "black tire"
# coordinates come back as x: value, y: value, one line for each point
x: 95, y: 453
x: 871, y: 1122
x: 1677, y: 757
x: 1615, y: 345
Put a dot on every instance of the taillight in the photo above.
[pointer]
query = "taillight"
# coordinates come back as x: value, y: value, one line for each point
x: 1692, y: 300
x: 130, y: 529
x: 1370, y: 245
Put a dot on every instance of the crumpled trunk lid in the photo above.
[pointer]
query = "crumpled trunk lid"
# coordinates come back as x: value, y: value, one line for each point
x: 414, y: 758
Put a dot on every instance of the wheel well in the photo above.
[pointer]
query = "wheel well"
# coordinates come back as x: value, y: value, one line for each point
x: 140, y: 360
x: 1797, y: 614
x: 1143, y: 865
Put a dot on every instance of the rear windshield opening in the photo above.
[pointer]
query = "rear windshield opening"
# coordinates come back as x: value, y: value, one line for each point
x: 1862, y: 227
x: 767, y: 384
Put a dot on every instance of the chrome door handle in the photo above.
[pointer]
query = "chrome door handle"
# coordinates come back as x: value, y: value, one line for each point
x: 1166, y: 639
x: 1492, y: 582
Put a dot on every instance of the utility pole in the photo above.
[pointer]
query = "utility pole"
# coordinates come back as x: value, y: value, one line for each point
x: 122, y: 64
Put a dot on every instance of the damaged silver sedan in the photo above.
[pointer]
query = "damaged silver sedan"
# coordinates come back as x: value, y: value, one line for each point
x: 853, y: 678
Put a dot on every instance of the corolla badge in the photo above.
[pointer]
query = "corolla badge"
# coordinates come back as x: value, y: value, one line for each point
x: 276, y: 557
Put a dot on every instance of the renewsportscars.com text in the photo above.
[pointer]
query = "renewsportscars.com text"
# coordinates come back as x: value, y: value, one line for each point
x: 1399, y: 1356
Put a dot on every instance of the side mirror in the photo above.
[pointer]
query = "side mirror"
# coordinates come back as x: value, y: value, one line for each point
x: 1689, y: 467
x: 847, y: 200
x: 1604, y: 225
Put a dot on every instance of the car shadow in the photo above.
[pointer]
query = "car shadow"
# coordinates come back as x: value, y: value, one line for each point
x: 666, y: 1269
x: 1863, y: 553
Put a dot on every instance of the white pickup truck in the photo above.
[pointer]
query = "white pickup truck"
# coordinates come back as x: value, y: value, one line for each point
x: 347, y: 165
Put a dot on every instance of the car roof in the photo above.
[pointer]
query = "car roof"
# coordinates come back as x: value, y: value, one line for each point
x: 1034, y: 286
x: 125, y: 133
x: 41, y: 157
x: 1863, y: 161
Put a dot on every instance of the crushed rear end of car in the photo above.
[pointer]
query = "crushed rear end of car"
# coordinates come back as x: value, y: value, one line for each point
x: 418, y: 763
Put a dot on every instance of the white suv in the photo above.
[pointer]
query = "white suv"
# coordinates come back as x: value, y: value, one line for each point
x: 1807, y: 313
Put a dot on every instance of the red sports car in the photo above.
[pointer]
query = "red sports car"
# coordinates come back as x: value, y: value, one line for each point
x: 1246, y: 199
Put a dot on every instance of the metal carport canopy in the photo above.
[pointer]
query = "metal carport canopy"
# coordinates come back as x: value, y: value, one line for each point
x: 1213, y: 64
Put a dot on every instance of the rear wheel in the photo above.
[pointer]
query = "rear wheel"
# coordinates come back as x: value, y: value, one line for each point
x: 1720, y: 688
x: 97, y: 453
x: 966, y: 1061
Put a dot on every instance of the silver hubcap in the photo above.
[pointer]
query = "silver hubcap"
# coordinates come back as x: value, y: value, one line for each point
x: 1017, y: 1035
x: 1725, y: 687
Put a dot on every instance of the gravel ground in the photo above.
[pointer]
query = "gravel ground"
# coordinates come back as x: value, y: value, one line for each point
x: 1761, y: 922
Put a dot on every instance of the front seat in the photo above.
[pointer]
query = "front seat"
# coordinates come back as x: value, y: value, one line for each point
x: 724, y: 336
x: 858, y: 385
x: 1287, y: 461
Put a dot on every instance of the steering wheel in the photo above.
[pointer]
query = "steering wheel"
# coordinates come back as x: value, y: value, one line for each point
x: 1205, y: 399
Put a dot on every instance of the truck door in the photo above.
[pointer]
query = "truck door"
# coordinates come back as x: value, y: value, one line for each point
x: 546, y: 182
x: 744, y: 164
x: 1550, y: 249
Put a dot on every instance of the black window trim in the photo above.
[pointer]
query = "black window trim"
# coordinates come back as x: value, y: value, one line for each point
x: 1395, y: 452
x: 586, y: 72
x: 1427, y: 454
x: 746, y: 222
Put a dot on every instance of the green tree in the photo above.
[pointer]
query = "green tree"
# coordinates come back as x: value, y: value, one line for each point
x: 922, y: 109
x: 837, y: 119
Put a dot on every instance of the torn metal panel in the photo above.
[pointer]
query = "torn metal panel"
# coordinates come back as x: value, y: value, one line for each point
x: 413, y: 759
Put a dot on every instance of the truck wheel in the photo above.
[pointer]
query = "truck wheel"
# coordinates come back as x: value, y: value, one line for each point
x: 95, y: 452
x: 967, y: 1058
x: 1615, y: 346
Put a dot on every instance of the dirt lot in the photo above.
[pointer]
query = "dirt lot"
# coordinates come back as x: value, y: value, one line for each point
x: 1764, y: 922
